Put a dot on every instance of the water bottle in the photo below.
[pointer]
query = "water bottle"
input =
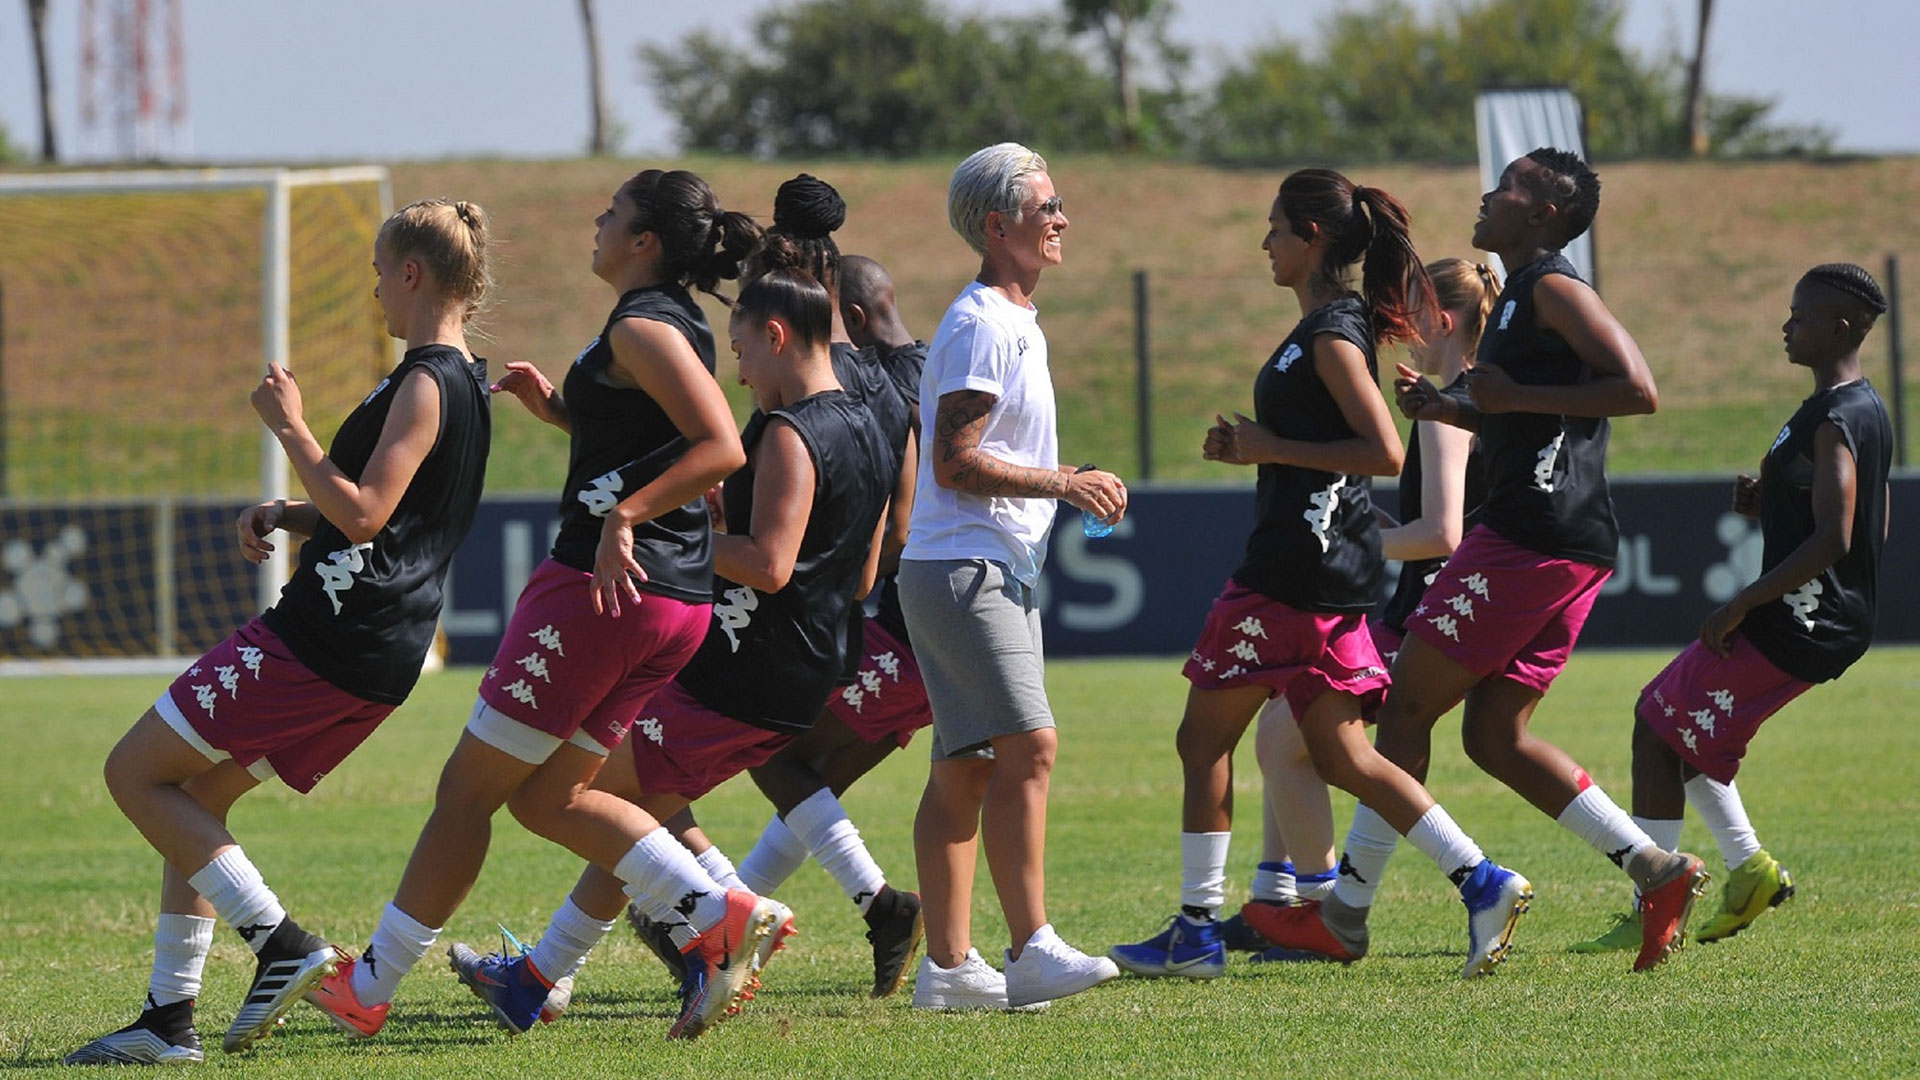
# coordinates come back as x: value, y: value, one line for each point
x: 1092, y: 524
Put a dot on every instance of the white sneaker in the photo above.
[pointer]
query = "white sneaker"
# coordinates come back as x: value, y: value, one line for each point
x: 974, y: 984
x: 1050, y: 968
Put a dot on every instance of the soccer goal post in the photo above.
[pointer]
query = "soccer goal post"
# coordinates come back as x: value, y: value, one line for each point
x: 137, y: 311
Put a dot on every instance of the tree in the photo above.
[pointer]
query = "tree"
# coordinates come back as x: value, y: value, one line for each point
x: 888, y: 77
x: 1121, y: 25
x: 1696, y: 111
x: 37, y: 21
x: 599, y: 142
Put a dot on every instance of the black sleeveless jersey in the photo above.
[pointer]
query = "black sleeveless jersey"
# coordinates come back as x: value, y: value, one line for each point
x: 903, y: 365
x: 1417, y: 574
x: 622, y: 441
x: 1547, y: 473
x: 362, y: 616
x: 1816, y: 631
x: 1315, y: 545
x: 771, y: 659
x: 864, y: 374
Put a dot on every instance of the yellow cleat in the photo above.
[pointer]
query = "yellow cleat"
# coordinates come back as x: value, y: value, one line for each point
x: 1754, y: 887
x: 1622, y: 936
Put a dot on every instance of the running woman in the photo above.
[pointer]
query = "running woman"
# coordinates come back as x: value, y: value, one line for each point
x: 1297, y: 861
x: 1292, y: 619
x: 604, y: 622
x: 986, y: 493
x: 296, y: 689
x: 1497, y: 625
x: 879, y: 710
x: 803, y: 520
x: 1821, y: 500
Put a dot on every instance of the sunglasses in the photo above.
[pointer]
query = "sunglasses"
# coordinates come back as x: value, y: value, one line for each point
x: 1052, y: 208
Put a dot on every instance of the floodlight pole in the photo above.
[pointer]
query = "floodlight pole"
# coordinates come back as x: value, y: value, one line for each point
x: 276, y: 293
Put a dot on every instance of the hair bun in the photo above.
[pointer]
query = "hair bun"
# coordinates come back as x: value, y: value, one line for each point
x: 808, y: 208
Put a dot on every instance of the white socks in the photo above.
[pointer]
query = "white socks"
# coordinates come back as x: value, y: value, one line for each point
x: 1439, y: 839
x: 719, y: 868
x: 1596, y: 819
x: 1203, y: 869
x: 821, y: 823
x: 1663, y: 831
x: 180, y: 946
x: 237, y: 891
x: 1719, y: 806
x: 571, y: 935
x: 666, y: 881
x: 1274, y: 881
x: 774, y: 858
x: 1370, y: 842
x: 397, y: 944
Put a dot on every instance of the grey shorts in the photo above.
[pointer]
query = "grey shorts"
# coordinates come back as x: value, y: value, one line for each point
x: 976, y: 635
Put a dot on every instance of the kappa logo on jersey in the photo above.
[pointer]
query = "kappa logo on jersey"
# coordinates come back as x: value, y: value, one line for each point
x: 1251, y: 627
x: 736, y: 613
x: 1506, y: 313
x: 1543, y: 471
x: 650, y: 727
x: 1786, y: 431
x: 1704, y: 718
x: 251, y: 657
x: 1286, y: 358
x: 207, y: 697
x: 336, y: 574
x: 1803, y: 602
x: 522, y: 693
x: 604, y: 495
x: 536, y: 665
x: 583, y: 352
x: 549, y: 638
x: 229, y: 677
x: 376, y: 390
x: 1320, y: 515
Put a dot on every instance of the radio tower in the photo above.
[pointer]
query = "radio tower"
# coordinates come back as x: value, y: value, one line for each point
x: 143, y: 104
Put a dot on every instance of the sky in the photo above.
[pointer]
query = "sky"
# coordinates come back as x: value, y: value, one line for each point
x: 342, y: 80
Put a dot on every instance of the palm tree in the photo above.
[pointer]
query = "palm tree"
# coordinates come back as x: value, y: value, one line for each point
x: 1696, y: 86
x: 37, y: 19
x: 598, y: 140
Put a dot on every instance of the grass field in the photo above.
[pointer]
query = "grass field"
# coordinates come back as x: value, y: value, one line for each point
x: 1827, y: 986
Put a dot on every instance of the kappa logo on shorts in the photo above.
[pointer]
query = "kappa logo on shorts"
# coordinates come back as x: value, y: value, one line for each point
x: 229, y: 679
x: 252, y: 657
x: 1704, y: 718
x: 549, y: 638
x: 1447, y: 625
x: 1693, y: 741
x: 889, y: 665
x: 1461, y: 605
x: 207, y: 697
x: 1244, y: 650
x: 1231, y: 672
x: 650, y: 727
x: 535, y: 665
x: 855, y: 696
x: 1251, y: 627
x: 522, y: 693
x: 1724, y: 699
x: 1476, y: 583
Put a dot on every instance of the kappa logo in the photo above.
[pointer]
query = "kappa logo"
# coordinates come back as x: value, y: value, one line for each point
x: 1786, y: 432
x: 549, y: 638
x: 1320, y: 515
x: 1543, y: 470
x: 1251, y: 627
x: 1803, y: 602
x: 1286, y: 358
x: 1476, y: 583
x: 1347, y: 870
x: 251, y: 657
x: 1506, y: 313
x: 376, y: 390
x: 1693, y: 741
x: 1462, y: 605
x: 521, y: 693
x: 650, y: 727
x: 578, y: 360
x: 855, y: 696
x: 207, y: 697
x: 1704, y: 718
x: 604, y: 495
x: 736, y: 613
x: 1447, y: 625
x: 889, y: 665
x: 336, y: 573
x: 1244, y: 650
x: 536, y: 665
x: 229, y: 677
x: 1723, y: 699
x: 1231, y: 672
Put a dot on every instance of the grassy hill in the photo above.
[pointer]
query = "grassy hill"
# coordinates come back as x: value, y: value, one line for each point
x: 1697, y: 259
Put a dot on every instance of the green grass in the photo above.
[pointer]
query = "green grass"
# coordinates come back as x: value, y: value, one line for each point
x: 1826, y: 986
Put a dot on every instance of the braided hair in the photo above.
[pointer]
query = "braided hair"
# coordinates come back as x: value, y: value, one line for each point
x: 1853, y: 281
x: 1569, y: 183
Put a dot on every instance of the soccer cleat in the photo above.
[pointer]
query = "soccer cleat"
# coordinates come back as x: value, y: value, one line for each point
x: 334, y: 996
x: 280, y: 980
x: 1049, y: 968
x: 1237, y: 935
x: 720, y: 961
x: 659, y: 941
x: 1622, y: 936
x: 510, y: 985
x: 776, y: 938
x: 1664, y: 908
x: 163, y: 1035
x: 1495, y: 898
x: 1187, y: 947
x: 1299, y: 928
x: 894, y: 928
x: 1755, y: 887
x: 558, y: 999
x: 972, y: 984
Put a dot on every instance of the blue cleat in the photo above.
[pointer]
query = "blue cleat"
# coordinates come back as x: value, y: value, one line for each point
x: 1496, y: 898
x: 510, y: 985
x: 1187, y: 947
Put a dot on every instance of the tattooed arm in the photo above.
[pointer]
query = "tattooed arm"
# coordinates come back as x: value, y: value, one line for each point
x: 960, y: 465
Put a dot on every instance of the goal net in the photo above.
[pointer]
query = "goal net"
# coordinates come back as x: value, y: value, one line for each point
x: 137, y: 311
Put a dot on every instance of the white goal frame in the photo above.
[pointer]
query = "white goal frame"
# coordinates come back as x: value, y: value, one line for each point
x: 276, y: 282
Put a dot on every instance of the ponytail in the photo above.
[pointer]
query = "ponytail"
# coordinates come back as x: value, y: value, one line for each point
x: 1361, y: 224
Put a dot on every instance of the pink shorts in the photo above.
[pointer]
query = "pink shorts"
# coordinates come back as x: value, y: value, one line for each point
x: 562, y: 669
x: 1386, y: 640
x: 681, y: 747
x: 1500, y: 609
x: 248, y: 699
x: 1251, y: 639
x: 1707, y: 708
x: 886, y: 700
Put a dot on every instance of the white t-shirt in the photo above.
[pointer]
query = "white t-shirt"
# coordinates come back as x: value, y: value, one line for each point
x: 988, y: 343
